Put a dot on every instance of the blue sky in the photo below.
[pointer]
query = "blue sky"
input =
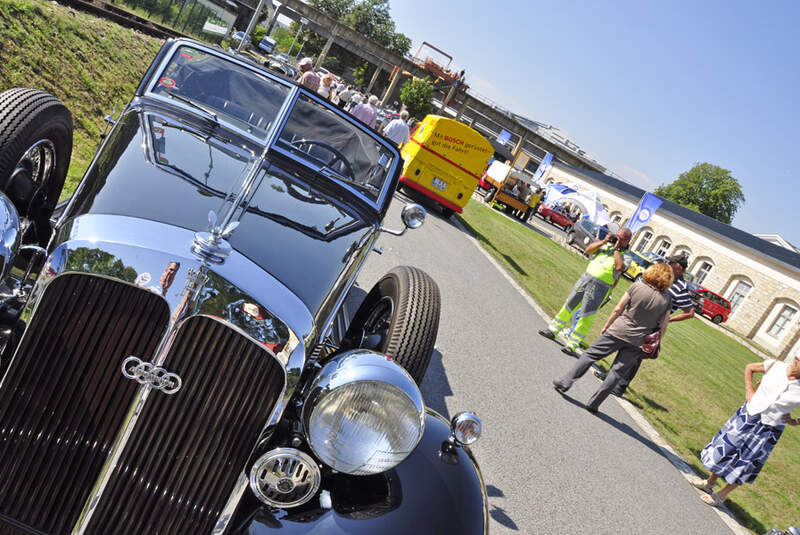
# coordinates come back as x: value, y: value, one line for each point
x: 648, y: 88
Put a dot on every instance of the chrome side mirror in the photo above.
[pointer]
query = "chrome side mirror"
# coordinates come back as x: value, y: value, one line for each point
x: 9, y: 235
x: 413, y: 216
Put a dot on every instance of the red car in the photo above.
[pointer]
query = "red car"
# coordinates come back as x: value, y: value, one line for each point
x: 555, y: 216
x: 714, y: 305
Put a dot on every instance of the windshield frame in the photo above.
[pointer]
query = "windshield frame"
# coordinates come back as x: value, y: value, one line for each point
x: 379, y: 203
x: 269, y: 144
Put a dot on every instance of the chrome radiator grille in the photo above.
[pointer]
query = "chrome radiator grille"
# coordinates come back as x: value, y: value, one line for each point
x: 188, y: 449
x: 63, y: 398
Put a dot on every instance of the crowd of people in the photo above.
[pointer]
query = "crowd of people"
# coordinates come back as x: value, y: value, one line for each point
x: 634, y: 331
x: 357, y: 102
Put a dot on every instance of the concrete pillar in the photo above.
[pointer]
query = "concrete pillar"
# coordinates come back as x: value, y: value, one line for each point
x: 374, y: 79
x: 273, y: 19
x: 447, y: 99
x: 461, y: 109
x: 325, y: 50
x: 518, y: 146
x: 392, y: 85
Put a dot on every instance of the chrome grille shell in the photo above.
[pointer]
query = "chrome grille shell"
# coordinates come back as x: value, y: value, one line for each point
x: 121, y: 251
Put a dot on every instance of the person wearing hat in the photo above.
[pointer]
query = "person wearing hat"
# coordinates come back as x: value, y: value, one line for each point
x: 681, y: 300
x: 309, y: 78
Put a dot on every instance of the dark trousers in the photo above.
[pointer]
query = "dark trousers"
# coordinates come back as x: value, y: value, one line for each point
x: 628, y: 357
x: 626, y: 380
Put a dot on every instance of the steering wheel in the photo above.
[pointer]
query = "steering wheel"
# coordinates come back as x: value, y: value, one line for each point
x: 305, y: 146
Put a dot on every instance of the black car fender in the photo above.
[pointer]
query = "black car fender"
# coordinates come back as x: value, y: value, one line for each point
x: 437, y: 489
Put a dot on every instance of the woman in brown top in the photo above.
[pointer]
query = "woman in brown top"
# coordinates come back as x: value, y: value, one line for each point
x: 642, y: 310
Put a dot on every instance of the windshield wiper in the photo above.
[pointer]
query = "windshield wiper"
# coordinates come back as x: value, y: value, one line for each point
x: 211, y: 113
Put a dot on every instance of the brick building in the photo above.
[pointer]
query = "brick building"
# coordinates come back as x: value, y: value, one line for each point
x: 760, y: 278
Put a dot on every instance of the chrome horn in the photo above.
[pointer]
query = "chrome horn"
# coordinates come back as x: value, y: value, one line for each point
x: 9, y: 235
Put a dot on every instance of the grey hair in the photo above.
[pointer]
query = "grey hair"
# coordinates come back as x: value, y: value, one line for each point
x: 404, y: 115
x: 373, y: 100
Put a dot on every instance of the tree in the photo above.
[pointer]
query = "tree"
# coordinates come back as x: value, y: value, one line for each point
x: 417, y: 97
x: 708, y: 189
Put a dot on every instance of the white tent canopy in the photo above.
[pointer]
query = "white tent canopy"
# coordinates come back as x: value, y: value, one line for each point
x: 588, y: 202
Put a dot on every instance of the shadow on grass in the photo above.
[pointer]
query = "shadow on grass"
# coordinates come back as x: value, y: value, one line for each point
x: 652, y: 404
x: 745, y: 518
x: 516, y: 267
x: 484, y: 240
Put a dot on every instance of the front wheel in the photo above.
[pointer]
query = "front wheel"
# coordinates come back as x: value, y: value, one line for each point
x: 717, y: 319
x: 489, y: 194
x: 35, y: 149
x: 570, y: 238
x: 399, y: 317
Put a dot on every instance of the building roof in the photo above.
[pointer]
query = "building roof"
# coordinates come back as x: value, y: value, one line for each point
x: 777, y: 239
x: 734, y: 234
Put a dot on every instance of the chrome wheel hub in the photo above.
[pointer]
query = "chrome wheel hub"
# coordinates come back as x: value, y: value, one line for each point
x: 36, y: 165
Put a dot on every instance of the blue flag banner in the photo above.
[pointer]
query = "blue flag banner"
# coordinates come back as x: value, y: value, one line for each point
x: 644, y: 212
x: 545, y: 164
x: 504, y: 137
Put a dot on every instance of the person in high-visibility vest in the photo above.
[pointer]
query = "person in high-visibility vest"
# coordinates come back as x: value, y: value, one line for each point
x: 607, y: 264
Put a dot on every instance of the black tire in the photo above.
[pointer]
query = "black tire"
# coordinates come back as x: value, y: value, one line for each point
x: 447, y: 213
x: 410, y: 335
x: 570, y: 238
x: 547, y: 219
x: 28, y: 117
x: 489, y: 194
x: 717, y: 319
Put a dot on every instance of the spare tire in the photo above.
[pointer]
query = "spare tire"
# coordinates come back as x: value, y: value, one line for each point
x: 399, y: 317
x: 35, y: 149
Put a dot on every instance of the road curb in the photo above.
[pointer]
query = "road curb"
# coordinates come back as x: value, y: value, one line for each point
x: 647, y: 429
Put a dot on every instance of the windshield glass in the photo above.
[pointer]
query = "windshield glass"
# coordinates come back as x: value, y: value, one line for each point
x: 222, y: 89
x: 329, y: 142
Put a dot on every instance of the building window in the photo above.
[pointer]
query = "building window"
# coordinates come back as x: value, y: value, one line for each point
x: 739, y: 293
x: 663, y: 248
x: 645, y: 241
x: 780, y: 323
x: 702, y: 273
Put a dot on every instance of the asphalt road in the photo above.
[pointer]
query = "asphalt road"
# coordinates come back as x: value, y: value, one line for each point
x: 549, y: 465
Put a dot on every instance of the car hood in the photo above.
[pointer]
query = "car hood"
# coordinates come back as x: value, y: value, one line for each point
x: 153, y: 167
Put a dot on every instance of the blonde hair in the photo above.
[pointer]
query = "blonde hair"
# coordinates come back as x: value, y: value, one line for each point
x: 327, y: 78
x: 659, y: 276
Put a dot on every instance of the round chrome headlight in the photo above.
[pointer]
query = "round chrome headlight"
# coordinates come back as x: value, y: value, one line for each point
x: 364, y: 414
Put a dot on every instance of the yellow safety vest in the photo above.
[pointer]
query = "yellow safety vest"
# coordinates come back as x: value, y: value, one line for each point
x: 602, y: 265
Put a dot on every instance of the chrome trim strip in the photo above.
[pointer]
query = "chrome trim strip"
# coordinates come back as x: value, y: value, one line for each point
x: 128, y: 425
x: 263, y: 73
x: 369, y: 240
x: 376, y: 204
x: 230, y: 508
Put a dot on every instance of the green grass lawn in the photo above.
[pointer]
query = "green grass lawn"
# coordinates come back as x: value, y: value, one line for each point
x: 87, y: 62
x: 687, y: 393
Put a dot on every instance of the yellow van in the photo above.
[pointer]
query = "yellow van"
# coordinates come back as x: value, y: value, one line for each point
x: 444, y: 161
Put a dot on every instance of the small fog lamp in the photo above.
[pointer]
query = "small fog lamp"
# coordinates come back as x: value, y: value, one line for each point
x: 466, y: 427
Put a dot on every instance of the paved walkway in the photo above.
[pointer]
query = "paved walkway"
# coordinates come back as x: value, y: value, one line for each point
x: 549, y: 465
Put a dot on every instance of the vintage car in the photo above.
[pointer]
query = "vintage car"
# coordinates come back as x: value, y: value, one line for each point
x: 176, y: 358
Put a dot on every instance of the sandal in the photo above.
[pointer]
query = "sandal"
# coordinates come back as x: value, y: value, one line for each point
x: 712, y: 499
x: 702, y: 484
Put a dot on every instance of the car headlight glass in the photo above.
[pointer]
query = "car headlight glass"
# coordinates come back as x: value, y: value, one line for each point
x: 364, y: 414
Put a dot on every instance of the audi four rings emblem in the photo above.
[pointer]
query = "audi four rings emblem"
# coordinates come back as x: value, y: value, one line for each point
x: 151, y: 375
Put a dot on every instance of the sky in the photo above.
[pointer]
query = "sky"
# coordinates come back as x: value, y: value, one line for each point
x: 647, y: 88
